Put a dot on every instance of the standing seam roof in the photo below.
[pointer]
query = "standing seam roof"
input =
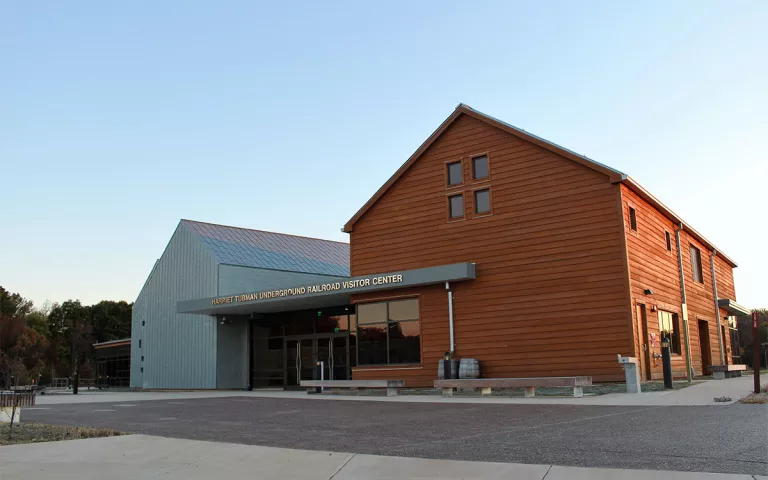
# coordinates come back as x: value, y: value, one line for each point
x: 274, y: 251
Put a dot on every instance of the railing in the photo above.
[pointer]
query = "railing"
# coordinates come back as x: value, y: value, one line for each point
x: 17, y: 399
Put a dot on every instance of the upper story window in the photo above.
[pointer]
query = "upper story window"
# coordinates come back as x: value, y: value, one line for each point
x: 455, y: 174
x: 696, y: 265
x: 480, y: 167
x: 632, y: 219
x: 456, y: 206
x: 388, y: 332
x: 668, y: 239
x: 669, y: 327
x: 483, y: 201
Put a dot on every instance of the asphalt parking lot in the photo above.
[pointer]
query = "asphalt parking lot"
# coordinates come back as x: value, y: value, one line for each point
x: 726, y: 439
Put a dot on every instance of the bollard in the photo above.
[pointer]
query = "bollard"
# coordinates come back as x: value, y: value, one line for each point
x: 75, y: 383
x: 666, y: 361
x: 319, y: 376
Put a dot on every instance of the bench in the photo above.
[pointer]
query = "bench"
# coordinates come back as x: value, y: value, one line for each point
x: 390, y: 385
x: 488, y: 384
x: 720, y: 372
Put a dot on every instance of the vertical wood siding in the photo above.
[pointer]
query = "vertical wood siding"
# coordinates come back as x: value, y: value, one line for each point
x: 550, y: 294
x: 651, y: 266
x: 179, y: 349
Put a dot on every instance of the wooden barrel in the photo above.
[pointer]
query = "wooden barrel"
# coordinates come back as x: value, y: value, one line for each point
x: 469, y: 368
x: 454, y: 369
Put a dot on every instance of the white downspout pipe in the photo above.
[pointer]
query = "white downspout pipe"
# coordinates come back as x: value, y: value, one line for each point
x: 450, y: 315
x: 717, y: 307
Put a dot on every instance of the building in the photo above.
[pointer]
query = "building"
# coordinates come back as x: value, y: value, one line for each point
x: 488, y: 242
x: 113, y: 363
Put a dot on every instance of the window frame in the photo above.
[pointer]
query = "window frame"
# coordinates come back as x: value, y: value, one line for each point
x: 697, y: 270
x: 668, y: 241
x: 632, y: 218
x: 446, y: 169
x: 463, y: 216
x: 472, y: 158
x: 675, y: 340
x: 389, y: 322
x: 475, y: 213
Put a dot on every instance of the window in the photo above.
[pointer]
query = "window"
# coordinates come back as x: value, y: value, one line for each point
x: 669, y: 328
x: 142, y: 358
x: 139, y: 343
x: 142, y: 323
x: 668, y: 239
x: 483, y: 201
x: 388, y: 332
x: 480, y: 167
x: 456, y: 206
x: 696, y: 265
x: 632, y: 219
x: 455, y: 175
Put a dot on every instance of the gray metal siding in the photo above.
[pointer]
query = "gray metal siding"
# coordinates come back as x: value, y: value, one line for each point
x: 236, y: 279
x: 232, y: 354
x: 179, y: 349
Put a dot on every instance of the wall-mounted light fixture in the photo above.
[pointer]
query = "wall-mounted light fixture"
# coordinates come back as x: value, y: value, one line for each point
x: 648, y: 291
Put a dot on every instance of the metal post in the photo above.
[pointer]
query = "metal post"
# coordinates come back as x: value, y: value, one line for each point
x: 450, y: 315
x: 447, y: 366
x: 319, y: 375
x: 684, y: 306
x: 75, y: 383
x: 756, y: 351
x: 720, y: 338
x: 666, y: 360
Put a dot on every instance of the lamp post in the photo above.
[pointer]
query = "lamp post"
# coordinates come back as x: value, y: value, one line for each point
x: 666, y: 361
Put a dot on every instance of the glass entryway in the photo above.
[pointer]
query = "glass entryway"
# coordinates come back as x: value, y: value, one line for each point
x: 303, y: 353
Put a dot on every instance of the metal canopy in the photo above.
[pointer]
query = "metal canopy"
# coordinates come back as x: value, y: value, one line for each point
x: 732, y: 307
x: 334, y: 292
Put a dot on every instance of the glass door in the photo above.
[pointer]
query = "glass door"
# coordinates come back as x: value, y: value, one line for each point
x: 299, y: 361
x: 340, y: 358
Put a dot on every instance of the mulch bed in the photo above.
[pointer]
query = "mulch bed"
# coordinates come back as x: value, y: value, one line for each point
x: 37, y: 432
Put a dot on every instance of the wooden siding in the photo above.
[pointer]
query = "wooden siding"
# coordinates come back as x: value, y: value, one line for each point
x: 550, y: 298
x: 651, y: 266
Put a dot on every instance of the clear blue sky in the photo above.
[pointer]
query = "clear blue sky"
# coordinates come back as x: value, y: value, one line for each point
x: 119, y: 118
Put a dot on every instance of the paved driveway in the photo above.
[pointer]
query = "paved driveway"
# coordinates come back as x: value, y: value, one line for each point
x: 728, y: 439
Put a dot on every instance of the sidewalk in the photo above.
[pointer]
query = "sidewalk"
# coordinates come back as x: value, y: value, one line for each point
x: 143, y: 457
x: 700, y: 394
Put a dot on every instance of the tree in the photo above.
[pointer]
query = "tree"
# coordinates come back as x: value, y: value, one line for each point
x: 110, y: 320
x: 22, y: 349
x: 71, y: 331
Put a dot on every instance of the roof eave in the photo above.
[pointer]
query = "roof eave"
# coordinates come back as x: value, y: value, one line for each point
x: 650, y: 198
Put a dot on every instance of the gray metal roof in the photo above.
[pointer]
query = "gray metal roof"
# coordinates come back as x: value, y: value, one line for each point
x: 275, y: 251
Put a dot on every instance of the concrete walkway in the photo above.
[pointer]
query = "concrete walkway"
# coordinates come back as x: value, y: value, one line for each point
x: 700, y: 394
x: 147, y: 457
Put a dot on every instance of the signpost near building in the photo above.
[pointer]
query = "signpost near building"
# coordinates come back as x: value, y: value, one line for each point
x: 756, y: 351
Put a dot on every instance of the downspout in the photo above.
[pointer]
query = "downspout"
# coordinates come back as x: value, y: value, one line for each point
x: 450, y: 315
x: 684, y: 308
x: 717, y: 306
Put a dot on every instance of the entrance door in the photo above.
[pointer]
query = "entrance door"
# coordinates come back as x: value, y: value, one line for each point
x: 706, y: 351
x: 302, y: 355
x: 300, y: 361
x: 645, y: 349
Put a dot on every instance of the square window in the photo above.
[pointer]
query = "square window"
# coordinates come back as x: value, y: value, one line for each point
x: 632, y: 219
x: 455, y: 175
x: 482, y: 201
x: 480, y: 167
x: 456, y: 206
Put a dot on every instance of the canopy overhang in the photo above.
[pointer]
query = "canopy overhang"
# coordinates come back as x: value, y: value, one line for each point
x: 321, y: 295
x: 732, y: 307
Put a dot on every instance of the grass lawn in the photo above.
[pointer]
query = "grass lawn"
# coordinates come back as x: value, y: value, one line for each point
x: 38, y: 432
